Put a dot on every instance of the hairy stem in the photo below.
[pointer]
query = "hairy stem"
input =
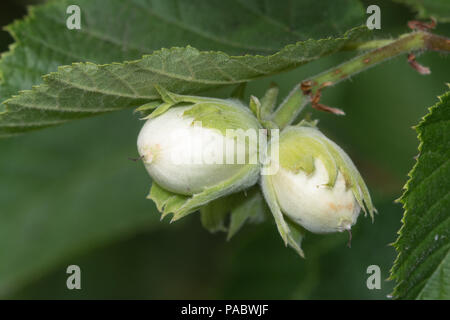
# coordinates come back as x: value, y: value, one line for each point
x: 367, y: 45
x: 414, y: 41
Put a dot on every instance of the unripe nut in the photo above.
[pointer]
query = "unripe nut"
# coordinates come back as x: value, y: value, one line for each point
x: 185, y: 149
x: 317, y: 185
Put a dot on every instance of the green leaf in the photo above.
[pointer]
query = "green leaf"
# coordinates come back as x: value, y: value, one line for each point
x: 439, y: 9
x: 180, y: 205
x: 213, y: 216
x: 289, y: 232
x: 230, y: 213
x: 87, y: 89
x: 251, y: 208
x: 269, y: 101
x: 165, y: 201
x: 126, y: 30
x: 61, y: 187
x: 422, y: 267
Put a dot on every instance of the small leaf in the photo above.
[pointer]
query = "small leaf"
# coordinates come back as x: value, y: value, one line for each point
x: 238, y: 208
x: 126, y: 30
x: 180, y: 205
x: 148, y: 106
x: 213, y: 215
x: 251, y: 209
x: 269, y: 101
x: 297, y: 234
x: 255, y: 106
x: 165, y: 201
x: 422, y: 267
x: 291, y: 236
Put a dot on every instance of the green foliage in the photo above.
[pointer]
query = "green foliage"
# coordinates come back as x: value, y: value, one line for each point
x: 291, y: 233
x: 126, y: 30
x: 63, y: 220
x: 86, y: 89
x: 168, y: 202
x: 139, y: 27
x: 422, y: 268
x: 439, y: 9
x: 229, y: 214
x: 69, y: 195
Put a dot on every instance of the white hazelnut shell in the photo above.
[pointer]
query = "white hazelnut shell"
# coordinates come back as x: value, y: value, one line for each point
x: 308, y: 201
x: 175, y: 153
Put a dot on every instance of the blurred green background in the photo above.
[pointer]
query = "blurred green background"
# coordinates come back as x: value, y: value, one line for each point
x: 69, y: 195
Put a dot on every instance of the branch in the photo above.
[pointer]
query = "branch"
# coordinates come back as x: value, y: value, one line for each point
x: 310, y: 89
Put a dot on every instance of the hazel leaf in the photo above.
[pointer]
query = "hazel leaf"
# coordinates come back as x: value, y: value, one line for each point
x: 86, y: 89
x: 422, y: 267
